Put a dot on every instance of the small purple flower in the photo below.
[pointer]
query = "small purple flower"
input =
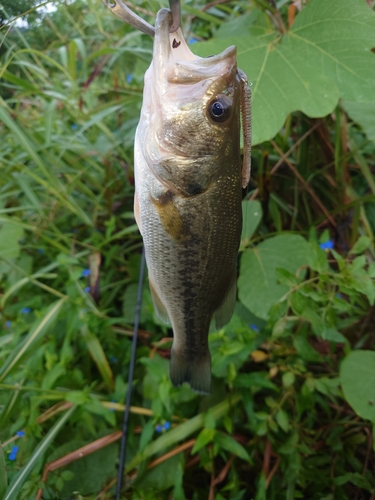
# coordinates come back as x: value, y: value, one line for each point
x: 13, y: 453
x: 25, y: 310
x: 20, y: 433
x: 254, y: 327
x: 327, y: 245
x: 8, y: 324
x: 87, y: 289
x: 85, y: 272
x: 129, y: 78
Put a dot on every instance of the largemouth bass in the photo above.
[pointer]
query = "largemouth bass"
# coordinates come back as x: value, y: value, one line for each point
x: 189, y: 179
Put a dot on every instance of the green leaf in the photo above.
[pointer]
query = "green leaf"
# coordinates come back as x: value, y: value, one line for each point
x: 77, y: 397
x: 279, y: 328
x: 357, y: 377
x: 283, y: 420
x: 364, y: 114
x: 205, y: 437
x: 9, y: 236
x: 251, y: 215
x: 318, y: 258
x: 229, y: 444
x: 23, y: 474
x: 98, y: 355
x: 146, y: 436
x: 361, y: 245
x: 256, y: 379
x: 288, y: 379
x: 163, y: 476
x: 3, y: 474
x: 356, y: 478
x: 178, y: 490
x: 324, y: 56
x: 305, y: 350
x: 333, y: 335
x: 257, y: 286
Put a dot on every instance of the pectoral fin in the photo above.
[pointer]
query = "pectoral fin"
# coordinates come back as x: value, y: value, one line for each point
x: 137, y: 212
x: 225, y: 311
x: 158, y: 304
x: 169, y: 215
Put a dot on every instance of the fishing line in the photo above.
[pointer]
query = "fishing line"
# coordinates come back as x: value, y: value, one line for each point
x: 124, y: 438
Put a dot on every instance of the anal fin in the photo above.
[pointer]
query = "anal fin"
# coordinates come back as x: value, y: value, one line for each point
x: 224, y: 313
x: 160, y: 309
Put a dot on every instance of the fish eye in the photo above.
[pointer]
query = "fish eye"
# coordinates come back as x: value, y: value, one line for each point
x: 219, y: 108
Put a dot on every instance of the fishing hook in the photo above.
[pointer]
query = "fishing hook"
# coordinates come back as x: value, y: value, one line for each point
x: 123, y: 12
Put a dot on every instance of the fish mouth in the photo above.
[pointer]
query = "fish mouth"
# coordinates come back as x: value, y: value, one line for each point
x: 174, y: 62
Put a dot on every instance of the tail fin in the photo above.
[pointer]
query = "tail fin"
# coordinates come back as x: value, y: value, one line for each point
x: 196, y: 372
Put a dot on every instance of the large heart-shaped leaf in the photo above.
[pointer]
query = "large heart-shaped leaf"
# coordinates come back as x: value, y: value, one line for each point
x: 257, y: 286
x: 357, y: 377
x: 326, y: 55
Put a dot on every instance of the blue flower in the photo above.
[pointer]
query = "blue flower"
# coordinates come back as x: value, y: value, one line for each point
x: 40, y: 250
x: 25, y: 310
x: 74, y: 126
x: 113, y: 359
x: 13, y: 453
x: 254, y: 327
x: 20, y: 433
x: 327, y: 245
x: 165, y: 427
x: 85, y: 272
x: 129, y: 78
x: 87, y: 289
x: 8, y: 324
x: 192, y: 40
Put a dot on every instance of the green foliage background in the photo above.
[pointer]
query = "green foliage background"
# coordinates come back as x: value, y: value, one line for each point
x: 292, y: 407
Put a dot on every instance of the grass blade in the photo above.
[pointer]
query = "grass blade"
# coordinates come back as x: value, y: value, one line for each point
x: 97, y: 353
x: 3, y: 474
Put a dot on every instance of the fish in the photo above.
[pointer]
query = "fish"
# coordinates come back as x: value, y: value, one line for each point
x: 188, y: 190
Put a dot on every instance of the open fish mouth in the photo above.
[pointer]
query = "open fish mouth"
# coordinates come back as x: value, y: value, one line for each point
x: 174, y: 62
